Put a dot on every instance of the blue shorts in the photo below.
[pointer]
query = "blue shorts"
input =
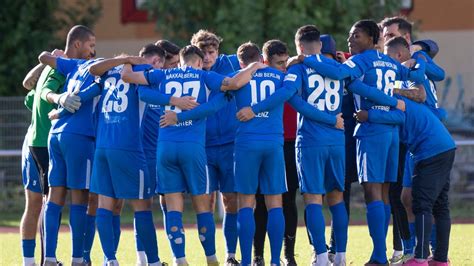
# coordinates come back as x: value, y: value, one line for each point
x: 181, y: 167
x: 259, y: 164
x: 409, y: 169
x: 220, y: 162
x: 320, y: 169
x: 70, y: 160
x: 150, y: 156
x: 377, y: 157
x: 29, y: 171
x: 121, y: 174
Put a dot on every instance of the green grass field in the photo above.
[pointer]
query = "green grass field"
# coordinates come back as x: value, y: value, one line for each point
x: 358, y: 250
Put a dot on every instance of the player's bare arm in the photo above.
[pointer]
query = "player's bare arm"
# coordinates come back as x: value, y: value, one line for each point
x: 49, y: 59
x: 242, y: 78
x: 99, y: 68
x: 184, y: 103
x: 129, y: 76
x: 415, y: 93
x: 32, y: 77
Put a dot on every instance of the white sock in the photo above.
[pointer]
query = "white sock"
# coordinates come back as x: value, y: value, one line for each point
x: 28, y: 261
x: 53, y: 259
x: 340, y: 257
x: 77, y: 260
x: 230, y: 255
x: 322, y: 259
x: 212, y: 258
x: 397, y: 253
x: 114, y: 262
x: 158, y: 263
x: 180, y: 260
x: 141, y: 257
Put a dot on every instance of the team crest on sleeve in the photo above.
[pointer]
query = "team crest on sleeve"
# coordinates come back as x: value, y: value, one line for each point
x: 350, y: 63
x: 290, y: 77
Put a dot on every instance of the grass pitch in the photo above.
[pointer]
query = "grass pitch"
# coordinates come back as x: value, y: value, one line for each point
x: 358, y: 250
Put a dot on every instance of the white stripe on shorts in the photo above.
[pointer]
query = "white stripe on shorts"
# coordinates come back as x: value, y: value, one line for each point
x: 88, y: 173
x: 141, y: 185
x: 364, y: 165
x: 207, y: 181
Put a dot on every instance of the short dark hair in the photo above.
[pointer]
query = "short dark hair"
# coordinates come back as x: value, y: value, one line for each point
x: 190, y: 52
x: 308, y: 33
x: 274, y: 47
x: 78, y: 33
x: 397, y: 42
x: 248, y: 53
x: 152, y: 50
x: 370, y: 27
x: 170, y: 48
x: 404, y: 26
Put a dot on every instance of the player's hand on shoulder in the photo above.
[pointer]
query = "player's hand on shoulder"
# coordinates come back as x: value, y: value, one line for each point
x: 339, y: 121
x: 362, y: 116
x: 409, y: 63
x: 245, y: 114
x: 258, y: 65
x: 401, y: 105
x: 170, y: 118
x: 184, y: 103
x: 294, y: 60
x: 340, y: 57
x: 58, y: 53
x: 53, y: 114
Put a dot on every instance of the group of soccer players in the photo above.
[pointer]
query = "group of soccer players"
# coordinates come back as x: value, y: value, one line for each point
x: 172, y: 121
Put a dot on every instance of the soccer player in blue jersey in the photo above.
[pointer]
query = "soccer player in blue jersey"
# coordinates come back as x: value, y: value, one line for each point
x: 376, y: 166
x: 433, y: 151
x: 181, y: 158
x: 220, y: 134
x: 113, y: 178
x: 70, y: 168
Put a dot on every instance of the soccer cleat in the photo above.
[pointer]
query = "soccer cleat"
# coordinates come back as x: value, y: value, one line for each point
x: 290, y: 261
x: 78, y: 264
x: 258, y: 261
x: 231, y: 262
x: 396, y: 259
x: 374, y: 263
x: 414, y: 262
x: 331, y: 256
x: 52, y: 263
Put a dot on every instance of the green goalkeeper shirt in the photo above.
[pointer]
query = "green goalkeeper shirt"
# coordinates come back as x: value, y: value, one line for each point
x: 50, y: 80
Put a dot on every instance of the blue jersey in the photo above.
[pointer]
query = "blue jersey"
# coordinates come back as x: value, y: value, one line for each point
x: 221, y: 126
x: 323, y: 93
x: 82, y: 122
x: 121, y: 112
x: 423, y: 133
x: 375, y: 70
x: 185, y: 81
x: 151, y: 126
x: 267, y: 125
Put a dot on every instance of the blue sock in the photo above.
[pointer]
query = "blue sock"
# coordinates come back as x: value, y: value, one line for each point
x: 175, y: 231
x: 89, y: 237
x: 316, y: 227
x: 147, y: 234
x: 388, y: 214
x: 376, y: 214
x: 77, y: 223
x: 106, y: 232
x: 229, y: 226
x: 117, y: 231
x: 51, y: 223
x: 207, y: 232
x: 246, y: 229
x: 433, y: 238
x: 276, y: 232
x: 412, y: 228
x: 138, y: 242
x: 28, y: 247
x: 340, y: 223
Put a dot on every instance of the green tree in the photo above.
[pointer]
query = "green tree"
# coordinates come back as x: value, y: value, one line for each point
x: 238, y: 21
x: 29, y: 27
